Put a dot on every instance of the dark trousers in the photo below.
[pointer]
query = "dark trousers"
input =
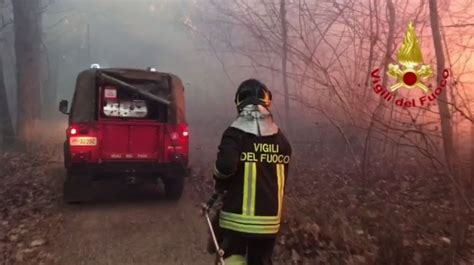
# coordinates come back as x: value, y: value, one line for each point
x: 258, y: 250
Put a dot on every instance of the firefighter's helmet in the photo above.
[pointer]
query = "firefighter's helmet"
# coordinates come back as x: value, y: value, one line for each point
x: 254, y: 92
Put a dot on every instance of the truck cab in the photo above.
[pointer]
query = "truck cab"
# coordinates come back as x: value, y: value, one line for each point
x: 126, y: 124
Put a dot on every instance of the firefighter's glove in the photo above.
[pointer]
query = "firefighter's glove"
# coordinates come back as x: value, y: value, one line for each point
x: 204, y: 209
x: 220, y: 186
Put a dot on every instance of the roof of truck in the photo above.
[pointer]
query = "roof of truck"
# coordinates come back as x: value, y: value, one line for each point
x: 131, y: 73
x: 167, y: 89
x: 134, y: 73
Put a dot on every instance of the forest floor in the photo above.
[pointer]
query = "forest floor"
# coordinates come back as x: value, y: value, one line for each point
x: 399, y: 219
x: 122, y: 225
x: 329, y: 218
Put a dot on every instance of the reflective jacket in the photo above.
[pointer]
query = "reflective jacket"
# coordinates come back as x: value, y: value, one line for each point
x: 252, y: 170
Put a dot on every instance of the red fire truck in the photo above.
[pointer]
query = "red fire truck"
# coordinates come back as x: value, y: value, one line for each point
x: 125, y: 124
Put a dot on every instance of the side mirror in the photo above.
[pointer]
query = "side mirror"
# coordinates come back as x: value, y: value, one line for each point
x: 63, y: 107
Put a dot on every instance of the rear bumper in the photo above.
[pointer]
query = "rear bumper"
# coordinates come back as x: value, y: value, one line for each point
x: 127, y: 168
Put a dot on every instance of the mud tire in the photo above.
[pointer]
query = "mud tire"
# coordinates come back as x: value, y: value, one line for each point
x: 174, y: 187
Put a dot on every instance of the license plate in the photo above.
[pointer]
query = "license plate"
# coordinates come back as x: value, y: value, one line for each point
x: 83, y: 141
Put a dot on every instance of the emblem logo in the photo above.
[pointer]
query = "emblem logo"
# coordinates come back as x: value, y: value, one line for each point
x: 410, y: 72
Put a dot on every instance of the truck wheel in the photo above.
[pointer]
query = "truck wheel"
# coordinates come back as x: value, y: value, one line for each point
x: 77, y: 188
x: 174, y: 187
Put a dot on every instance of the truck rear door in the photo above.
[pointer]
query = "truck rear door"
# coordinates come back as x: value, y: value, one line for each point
x: 144, y: 141
x: 130, y: 140
x: 131, y: 127
x: 114, y: 140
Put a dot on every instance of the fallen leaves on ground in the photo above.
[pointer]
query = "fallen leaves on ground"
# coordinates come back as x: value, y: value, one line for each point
x: 409, y: 217
x: 403, y: 218
x: 28, y: 199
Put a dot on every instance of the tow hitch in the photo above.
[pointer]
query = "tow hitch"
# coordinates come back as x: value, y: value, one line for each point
x: 131, y: 178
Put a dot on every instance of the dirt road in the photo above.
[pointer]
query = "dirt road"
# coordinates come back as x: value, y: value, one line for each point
x: 136, y: 226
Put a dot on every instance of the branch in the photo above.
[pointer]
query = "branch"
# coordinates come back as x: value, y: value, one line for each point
x: 459, y: 25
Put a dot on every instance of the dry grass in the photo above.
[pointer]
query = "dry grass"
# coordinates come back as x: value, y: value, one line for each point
x: 403, y: 219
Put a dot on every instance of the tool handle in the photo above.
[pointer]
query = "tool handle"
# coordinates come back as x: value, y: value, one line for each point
x: 219, y: 251
x: 215, y: 196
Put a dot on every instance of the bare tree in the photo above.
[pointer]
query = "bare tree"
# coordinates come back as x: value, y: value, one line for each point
x: 6, y: 126
x: 447, y: 126
x: 443, y: 103
x: 379, y: 111
x: 27, y: 25
x: 284, y: 61
x: 7, y: 133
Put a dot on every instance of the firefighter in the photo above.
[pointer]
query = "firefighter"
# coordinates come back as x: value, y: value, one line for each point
x: 251, y: 170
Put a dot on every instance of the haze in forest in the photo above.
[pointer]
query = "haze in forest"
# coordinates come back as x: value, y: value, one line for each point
x: 377, y: 178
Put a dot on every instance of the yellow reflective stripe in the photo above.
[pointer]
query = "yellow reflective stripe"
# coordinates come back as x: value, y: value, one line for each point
x: 278, y: 167
x: 250, y: 188
x: 281, y: 186
x: 246, y: 192
x: 269, y: 220
x: 249, y: 228
x: 283, y: 180
x: 253, y: 188
x: 235, y: 260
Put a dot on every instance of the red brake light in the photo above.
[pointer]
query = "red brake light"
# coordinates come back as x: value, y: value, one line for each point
x: 178, y: 133
x: 73, y: 131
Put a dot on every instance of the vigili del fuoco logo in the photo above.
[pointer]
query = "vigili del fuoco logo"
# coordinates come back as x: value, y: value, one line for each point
x: 411, y: 73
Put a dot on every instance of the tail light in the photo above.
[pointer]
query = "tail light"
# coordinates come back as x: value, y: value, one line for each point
x: 183, y: 133
x: 82, y: 135
x: 178, y: 144
x: 179, y: 134
x: 79, y: 130
x: 83, y: 143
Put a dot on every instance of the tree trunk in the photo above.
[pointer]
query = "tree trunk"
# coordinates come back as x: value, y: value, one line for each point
x: 378, y: 114
x: 472, y: 160
x: 27, y: 21
x: 446, y: 123
x: 49, y: 87
x: 6, y: 126
x: 372, y: 42
x: 284, y: 62
x: 447, y: 131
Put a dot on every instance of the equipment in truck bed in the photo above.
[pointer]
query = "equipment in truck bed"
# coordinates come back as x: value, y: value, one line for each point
x: 160, y: 87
